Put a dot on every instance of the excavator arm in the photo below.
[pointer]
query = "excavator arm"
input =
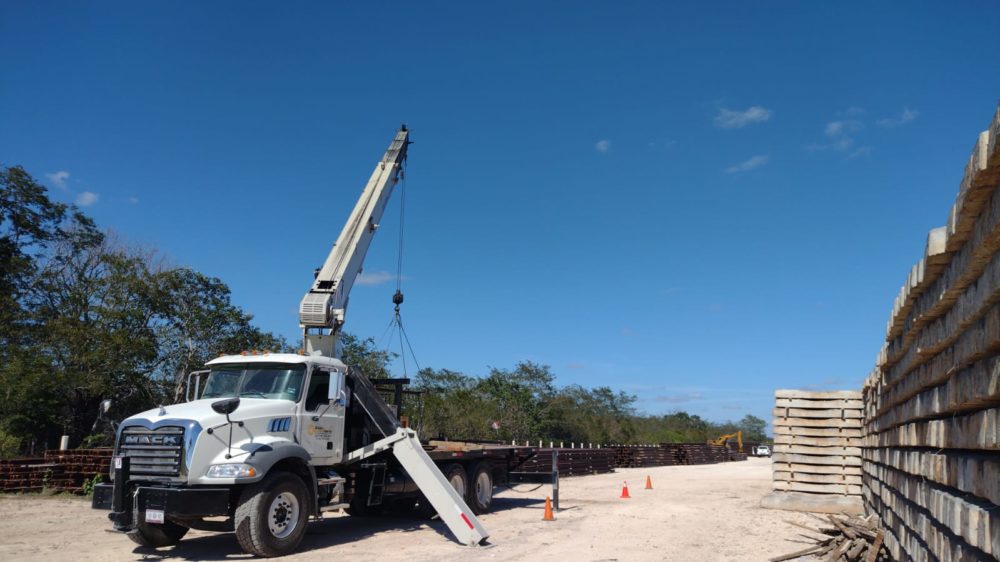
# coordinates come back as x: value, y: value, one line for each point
x: 722, y: 440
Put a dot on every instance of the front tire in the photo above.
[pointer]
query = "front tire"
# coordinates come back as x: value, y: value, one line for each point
x: 272, y: 514
x: 152, y: 535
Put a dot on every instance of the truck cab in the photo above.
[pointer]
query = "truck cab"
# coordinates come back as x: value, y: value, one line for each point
x: 258, y: 417
x: 288, y: 405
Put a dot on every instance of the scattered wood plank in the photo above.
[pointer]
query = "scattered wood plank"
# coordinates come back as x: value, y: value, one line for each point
x: 843, y: 541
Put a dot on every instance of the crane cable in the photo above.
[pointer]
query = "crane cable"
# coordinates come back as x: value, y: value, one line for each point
x: 396, y: 323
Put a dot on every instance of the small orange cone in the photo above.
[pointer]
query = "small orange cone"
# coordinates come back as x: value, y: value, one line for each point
x: 548, y: 510
x: 649, y: 483
x: 625, y: 495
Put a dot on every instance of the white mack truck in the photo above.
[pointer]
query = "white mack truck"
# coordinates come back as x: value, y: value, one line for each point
x: 273, y: 439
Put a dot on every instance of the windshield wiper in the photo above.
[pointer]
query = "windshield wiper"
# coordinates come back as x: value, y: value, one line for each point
x: 253, y: 392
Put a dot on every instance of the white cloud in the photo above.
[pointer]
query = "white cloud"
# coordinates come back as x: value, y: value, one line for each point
x: 59, y: 178
x: 841, y: 134
x: 375, y: 278
x: 904, y: 118
x: 734, y: 119
x: 133, y: 200
x: 861, y: 151
x: 751, y: 163
x: 663, y: 144
x: 87, y: 198
x: 839, y: 129
x: 603, y: 146
x: 679, y: 398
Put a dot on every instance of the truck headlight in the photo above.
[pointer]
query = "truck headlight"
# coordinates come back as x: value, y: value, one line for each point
x: 231, y: 470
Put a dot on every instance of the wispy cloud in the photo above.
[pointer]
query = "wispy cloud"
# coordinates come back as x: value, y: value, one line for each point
x: 603, y: 146
x: 861, y: 151
x: 734, y: 119
x: 59, y: 178
x: 375, y: 278
x: 87, y: 198
x: 678, y: 398
x: 575, y: 365
x: 133, y: 200
x: 839, y: 134
x: 751, y: 163
x: 905, y: 117
x: 628, y: 332
x: 662, y: 144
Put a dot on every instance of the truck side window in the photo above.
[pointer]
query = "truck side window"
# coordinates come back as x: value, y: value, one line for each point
x: 319, y: 389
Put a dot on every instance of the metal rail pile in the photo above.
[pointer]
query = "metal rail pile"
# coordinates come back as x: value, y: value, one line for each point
x: 667, y: 454
x: 572, y: 462
x: 57, y: 471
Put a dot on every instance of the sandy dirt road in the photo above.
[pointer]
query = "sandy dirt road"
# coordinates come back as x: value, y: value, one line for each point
x: 707, y: 512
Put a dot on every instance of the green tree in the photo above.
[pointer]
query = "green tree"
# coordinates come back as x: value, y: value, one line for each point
x: 754, y: 429
x: 198, y: 323
x: 83, y: 319
x: 363, y: 354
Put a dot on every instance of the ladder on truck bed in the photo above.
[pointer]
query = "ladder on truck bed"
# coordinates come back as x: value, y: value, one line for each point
x: 450, y: 506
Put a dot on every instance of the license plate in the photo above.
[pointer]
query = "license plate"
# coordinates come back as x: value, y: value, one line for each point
x: 154, y: 516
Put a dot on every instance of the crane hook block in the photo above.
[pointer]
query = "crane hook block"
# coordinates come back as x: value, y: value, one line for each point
x: 397, y: 299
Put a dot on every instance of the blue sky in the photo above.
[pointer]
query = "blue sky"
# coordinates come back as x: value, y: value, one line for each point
x: 694, y: 203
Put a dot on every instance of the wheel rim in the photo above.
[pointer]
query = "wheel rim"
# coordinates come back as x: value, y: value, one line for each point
x: 484, y: 488
x: 458, y: 482
x: 283, y: 515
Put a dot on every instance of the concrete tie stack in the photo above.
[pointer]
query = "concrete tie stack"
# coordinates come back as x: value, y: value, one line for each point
x: 931, y: 444
x: 817, y: 457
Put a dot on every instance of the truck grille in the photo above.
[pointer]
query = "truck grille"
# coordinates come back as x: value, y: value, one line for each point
x: 153, y: 452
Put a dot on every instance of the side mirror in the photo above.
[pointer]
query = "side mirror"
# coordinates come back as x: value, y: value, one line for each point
x: 227, y: 406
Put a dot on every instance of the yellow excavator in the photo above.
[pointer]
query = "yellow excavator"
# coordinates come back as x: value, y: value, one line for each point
x: 722, y: 440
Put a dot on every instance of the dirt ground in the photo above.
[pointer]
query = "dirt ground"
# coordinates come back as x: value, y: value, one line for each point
x: 707, y: 512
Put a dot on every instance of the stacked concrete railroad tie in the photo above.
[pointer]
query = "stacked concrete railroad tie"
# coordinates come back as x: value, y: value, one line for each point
x: 932, y: 404
x: 817, y: 455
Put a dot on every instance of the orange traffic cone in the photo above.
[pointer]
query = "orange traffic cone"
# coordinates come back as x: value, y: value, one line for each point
x: 548, y: 510
x: 649, y: 483
x: 625, y: 495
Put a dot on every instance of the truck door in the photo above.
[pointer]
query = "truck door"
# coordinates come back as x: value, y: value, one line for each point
x: 322, y: 417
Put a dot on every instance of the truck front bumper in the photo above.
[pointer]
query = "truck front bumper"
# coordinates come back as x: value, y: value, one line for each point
x: 175, y: 503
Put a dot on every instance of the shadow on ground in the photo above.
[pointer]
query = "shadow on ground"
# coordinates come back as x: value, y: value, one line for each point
x: 330, y: 532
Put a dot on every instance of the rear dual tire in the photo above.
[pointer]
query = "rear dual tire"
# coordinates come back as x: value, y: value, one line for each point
x: 474, y: 486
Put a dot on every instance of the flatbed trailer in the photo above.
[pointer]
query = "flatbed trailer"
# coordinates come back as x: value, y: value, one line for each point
x: 505, y: 463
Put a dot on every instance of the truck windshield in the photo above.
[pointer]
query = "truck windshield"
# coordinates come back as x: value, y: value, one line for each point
x: 278, y: 381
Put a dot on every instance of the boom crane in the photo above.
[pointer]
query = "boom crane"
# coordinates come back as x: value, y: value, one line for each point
x: 323, y: 308
x: 311, y: 435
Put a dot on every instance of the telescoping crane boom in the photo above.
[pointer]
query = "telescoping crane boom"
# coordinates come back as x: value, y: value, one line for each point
x: 322, y: 310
